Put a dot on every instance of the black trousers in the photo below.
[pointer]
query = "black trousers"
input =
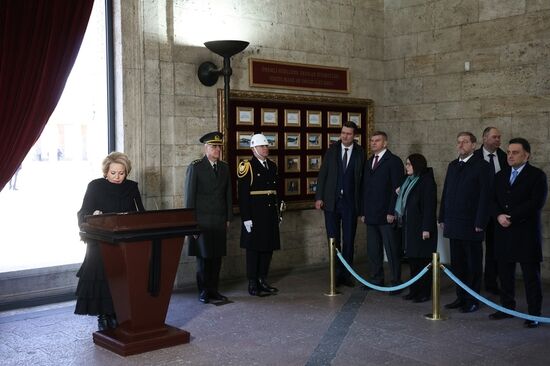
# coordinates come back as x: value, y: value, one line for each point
x: 467, y: 265
x: 341, y: 224
x: 532, y: 282
x: 208, y: 274
x: 422, y: 287
x: 490, y: 273
x: 380, y: 238
x: 257, y: 264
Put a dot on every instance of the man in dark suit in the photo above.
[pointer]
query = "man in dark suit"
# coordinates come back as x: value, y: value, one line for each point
x: 208, y: 191
x: 382, y: 174
x: 520, y: 194
x: 493, y: 154
x: 259, y: 205
x: 463, y: 214
x: 338, y: 187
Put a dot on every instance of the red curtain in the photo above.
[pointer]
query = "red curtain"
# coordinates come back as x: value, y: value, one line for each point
x: 39, y: 42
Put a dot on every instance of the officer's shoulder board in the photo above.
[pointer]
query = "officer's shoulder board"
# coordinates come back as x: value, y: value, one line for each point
x: 243, y: 168
x: 196, y: 161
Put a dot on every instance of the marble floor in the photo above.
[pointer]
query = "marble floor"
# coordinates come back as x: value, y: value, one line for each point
x: 299, y: 326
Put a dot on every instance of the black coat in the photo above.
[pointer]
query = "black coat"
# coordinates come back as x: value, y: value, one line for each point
x: 465, y: 199
x: 261, y: 209
x: 328, y: 177
x: 379, y: 185
x: 523, y: 201
x: 501, y: 156
x: 419, y: 216
x: 210, y: 195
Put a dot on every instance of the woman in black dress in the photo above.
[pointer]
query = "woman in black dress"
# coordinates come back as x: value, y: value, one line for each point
x: 416, y: 212
x: 113, y: 193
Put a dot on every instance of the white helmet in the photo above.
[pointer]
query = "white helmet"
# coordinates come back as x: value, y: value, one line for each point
x: 258, y: 140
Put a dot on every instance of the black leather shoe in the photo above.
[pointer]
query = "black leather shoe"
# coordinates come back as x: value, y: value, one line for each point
x: 531, y: 323
x: 470, y: 308
x: 264, y: 286
x: 111, y: 321
x: 455, y: 304
x: 203, y: 297
x: 217, y: 296
x: 102, y: 322
x: 253, y: 288
x: 409, y: 296
x: 421, y: 299
x: 499, y: 315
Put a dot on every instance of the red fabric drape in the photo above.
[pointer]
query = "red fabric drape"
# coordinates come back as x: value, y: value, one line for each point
x: 39, y: 42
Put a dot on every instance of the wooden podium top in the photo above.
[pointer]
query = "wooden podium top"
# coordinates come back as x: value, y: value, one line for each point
x: 124, y: 226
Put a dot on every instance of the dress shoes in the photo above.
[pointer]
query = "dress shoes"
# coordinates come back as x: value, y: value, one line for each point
x: 469, y: 308
x: 111, y: 321
x: 203, y: 297
x: 531, y: 324
x: 217, y: 296
x: 102, y: 322
x: 409, y: 296
x: 253, y: 288
x: 499, y: 315
x: 421, y: 299
x: 455, y: 304
x: 266, y: 287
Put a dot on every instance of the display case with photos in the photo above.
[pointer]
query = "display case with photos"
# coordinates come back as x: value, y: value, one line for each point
x: 299, y: 130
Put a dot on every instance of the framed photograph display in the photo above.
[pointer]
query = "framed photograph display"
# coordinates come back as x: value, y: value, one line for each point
x: 311, y: 185
x: 314, y: 163
x: 292, y: 186
x: 355, y: 117
x: 292, y: 140
x: 292, y: 117
x: 245, y: 116
x: 292, y: 163
x: 272, y: 139
x: 332, y: 138
x: 334, y: 119
x: 243, y: 139
x: 269, y: 117
x: 314, y: 140
x: 299, y: 129
x: 313, y: 119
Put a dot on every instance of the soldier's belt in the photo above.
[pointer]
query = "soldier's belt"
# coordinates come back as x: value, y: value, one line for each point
x: 257, y: 193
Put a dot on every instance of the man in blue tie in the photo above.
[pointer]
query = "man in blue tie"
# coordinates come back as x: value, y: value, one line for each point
x: 520, y: 195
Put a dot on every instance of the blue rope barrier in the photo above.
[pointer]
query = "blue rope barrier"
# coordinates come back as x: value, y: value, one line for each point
x: 492, y: 304
x: 381, y: 288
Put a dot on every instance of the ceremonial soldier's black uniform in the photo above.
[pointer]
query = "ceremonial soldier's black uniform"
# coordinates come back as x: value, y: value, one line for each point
x: 259, y: 202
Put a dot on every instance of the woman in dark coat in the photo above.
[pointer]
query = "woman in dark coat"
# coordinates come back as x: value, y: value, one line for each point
x: 416, y: 212
x: 113, y: 193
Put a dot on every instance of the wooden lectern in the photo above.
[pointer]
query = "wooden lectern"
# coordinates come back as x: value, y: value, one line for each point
x: 141, y: 252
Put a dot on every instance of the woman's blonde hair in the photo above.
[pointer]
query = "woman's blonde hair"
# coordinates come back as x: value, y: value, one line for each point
x: 117, y: 158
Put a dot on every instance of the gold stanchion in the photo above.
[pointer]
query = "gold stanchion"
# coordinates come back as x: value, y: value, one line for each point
x: 331, y: 262
x: 435, y: 315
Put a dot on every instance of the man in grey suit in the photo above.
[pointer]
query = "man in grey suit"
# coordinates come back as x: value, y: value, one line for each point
x: 208, y: 191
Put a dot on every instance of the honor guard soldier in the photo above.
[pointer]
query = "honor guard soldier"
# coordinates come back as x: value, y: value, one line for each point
x: 208, y: 191
x: 258, y: 202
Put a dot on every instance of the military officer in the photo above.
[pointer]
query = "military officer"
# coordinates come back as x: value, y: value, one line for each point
x: 208, y: 191
x: 258, y: 202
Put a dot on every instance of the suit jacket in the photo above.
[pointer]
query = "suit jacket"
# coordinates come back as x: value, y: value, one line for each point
x: 379, y: 185
x: 331, y: 167
x: 501, y: 156
x: 210, y: 195
x: 419, y: 216
x: 262, y: 209
x: 523, y: 201
x: 465, y: 199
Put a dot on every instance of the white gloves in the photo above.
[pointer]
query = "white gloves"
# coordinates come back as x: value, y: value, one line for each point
x: 97, y: 212
x: 248, y: 225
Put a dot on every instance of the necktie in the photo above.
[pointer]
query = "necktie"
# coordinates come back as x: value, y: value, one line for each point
x: 265, y: 165
x: 375, y: 164
x: 215, y: 166
x: 345, y: 158
x: 513, y: 176
x: 492, y: 162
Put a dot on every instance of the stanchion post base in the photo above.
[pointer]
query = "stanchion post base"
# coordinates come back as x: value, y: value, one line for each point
x: 431, y: 317
x: 335, y: 293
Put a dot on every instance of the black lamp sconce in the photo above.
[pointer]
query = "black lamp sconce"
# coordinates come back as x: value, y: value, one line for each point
x: 208, y: 72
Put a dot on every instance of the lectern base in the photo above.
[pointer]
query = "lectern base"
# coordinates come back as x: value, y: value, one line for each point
x: 125, y: 344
